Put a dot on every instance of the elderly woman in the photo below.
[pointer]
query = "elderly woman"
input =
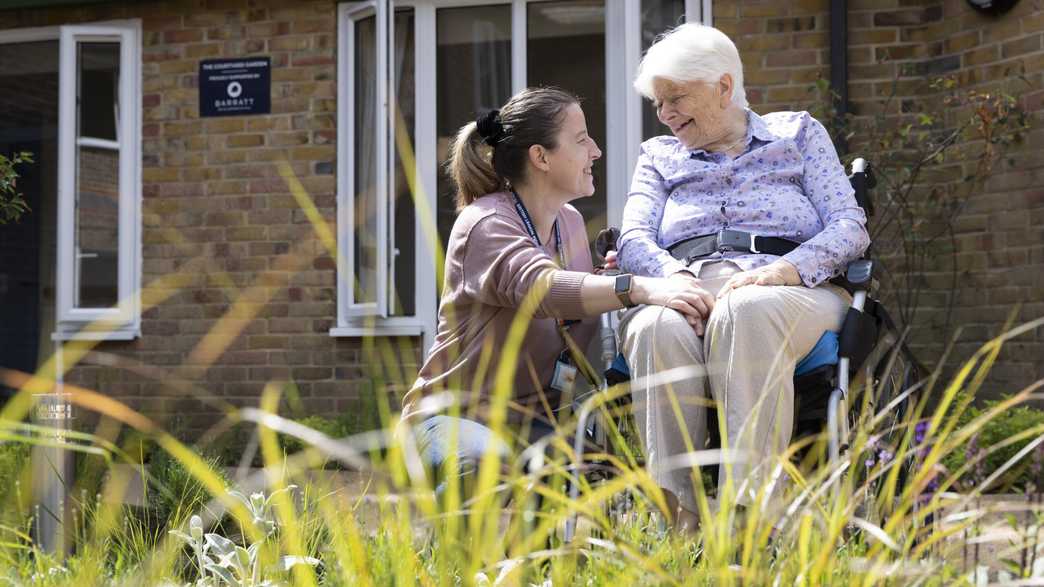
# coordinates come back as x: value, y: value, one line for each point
x: 755, y: 210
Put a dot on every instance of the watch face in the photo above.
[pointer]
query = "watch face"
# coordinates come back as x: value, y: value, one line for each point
x: 623, y: 283
x: 993, y: 7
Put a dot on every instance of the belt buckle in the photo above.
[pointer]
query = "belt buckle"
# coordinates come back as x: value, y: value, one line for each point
x: 731, y: 240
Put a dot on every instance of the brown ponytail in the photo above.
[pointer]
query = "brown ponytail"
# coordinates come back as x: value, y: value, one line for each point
x: 531, y: 117
x: 471, y: 167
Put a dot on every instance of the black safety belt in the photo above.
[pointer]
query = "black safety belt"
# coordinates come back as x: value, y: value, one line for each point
x: 728, y: 239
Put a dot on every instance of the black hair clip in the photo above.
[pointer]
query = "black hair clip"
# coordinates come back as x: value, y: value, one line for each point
x: 490, y: 128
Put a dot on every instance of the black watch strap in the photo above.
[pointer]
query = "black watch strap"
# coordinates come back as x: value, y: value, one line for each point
x: 622, y: 287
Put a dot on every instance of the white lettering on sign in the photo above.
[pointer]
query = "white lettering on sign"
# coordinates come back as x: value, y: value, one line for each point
x: 234, y: 65
x: 233, y: 102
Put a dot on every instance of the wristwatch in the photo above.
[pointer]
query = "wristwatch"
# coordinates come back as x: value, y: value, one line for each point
x: 622, y: 288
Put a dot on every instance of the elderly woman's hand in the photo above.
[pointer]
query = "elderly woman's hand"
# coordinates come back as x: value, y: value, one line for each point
x: 779, y: 272
x: 610, y: 262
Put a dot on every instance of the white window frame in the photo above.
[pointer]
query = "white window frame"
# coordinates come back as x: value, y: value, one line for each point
x: 623, y: 53
x: 623, y: 47
x: 349, y: 16
x: 122, y: 322
x: 373, y: 319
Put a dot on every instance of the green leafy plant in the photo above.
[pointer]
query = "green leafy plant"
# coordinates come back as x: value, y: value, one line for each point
x: 14, y: 475
x: 12, y: 204
x: 334, y: 428
x: 1008, y: 424
x: 174, y: 492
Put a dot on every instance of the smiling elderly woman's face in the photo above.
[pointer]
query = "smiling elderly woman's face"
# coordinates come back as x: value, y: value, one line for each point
x: 694, y: 111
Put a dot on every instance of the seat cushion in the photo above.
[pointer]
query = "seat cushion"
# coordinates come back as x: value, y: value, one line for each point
x: 824, y: 353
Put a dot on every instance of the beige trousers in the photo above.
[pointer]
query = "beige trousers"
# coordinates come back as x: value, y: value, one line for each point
x: 754, y: 338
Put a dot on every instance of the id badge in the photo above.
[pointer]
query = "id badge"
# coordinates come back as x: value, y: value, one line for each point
x: 564, y: 377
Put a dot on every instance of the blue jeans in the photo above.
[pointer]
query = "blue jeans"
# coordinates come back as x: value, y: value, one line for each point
x: 438, y: 436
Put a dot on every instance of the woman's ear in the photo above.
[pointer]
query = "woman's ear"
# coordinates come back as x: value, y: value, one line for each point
x: 725, y: 87
x: 538, y: 158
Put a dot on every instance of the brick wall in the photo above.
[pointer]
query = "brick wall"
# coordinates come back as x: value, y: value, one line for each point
x: 785, y: 47
x: 220, y: 225
x: 998, y: 242
x: 898, y: 46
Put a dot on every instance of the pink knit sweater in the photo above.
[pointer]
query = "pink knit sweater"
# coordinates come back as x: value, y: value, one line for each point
x: 491, y: 264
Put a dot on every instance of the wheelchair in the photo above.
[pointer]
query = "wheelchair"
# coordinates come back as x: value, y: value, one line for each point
x: 868, y: 349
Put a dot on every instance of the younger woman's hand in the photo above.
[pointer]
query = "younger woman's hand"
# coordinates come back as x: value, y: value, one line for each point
x: 686, y: 296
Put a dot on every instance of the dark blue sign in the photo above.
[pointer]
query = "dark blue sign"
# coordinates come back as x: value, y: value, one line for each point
x: 231, y: 87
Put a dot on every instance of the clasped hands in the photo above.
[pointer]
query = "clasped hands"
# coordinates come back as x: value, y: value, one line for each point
x: 686, y: 294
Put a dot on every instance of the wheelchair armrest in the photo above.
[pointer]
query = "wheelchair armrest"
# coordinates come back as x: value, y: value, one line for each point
x: 859, y: 276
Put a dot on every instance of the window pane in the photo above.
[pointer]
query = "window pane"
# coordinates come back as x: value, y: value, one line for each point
x: 97, y: 227
x: 405, y: 249
x: 365, y: 163
x: 574, y: 28
x: 474, y: 72
x: 658, y: 16
x: 99, y: 74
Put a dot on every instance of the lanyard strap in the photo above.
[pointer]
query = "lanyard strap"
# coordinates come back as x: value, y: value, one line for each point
x: 527, y: 220
x: 563, y: 325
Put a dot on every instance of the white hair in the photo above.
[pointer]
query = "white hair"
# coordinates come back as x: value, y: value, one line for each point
x: 692, y: 52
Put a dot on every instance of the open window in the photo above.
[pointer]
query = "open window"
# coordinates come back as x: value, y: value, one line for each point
x: 99, y: 183
x: 376, y: 211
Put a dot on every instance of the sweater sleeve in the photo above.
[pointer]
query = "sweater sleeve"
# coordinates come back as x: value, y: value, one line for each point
x: 502, y: 265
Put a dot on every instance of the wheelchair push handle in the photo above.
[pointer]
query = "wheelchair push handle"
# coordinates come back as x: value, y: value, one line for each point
x: 606, y: 241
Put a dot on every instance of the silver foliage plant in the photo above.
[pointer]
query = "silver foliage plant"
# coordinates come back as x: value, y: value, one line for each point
x: 222, y: 562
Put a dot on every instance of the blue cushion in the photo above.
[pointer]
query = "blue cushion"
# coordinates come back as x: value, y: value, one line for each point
x: 824, y: 353
x: 620, y: 366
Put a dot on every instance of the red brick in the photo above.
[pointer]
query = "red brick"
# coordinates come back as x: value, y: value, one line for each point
x: 173, y: 37
x: 246, y: 140
x: 791, y: 58
x: 1021, y: 46
x: 981, y: 56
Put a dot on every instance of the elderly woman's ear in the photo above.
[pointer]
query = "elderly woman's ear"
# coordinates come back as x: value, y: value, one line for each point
x: 725, y: 88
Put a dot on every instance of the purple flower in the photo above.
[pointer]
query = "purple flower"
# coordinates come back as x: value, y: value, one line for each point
x: 871, y: 444
x: 920, y: 431
x: 932, y: 485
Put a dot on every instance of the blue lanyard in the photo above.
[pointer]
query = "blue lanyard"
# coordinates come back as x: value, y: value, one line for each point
x: 527, y: 220
x: 563, y: 325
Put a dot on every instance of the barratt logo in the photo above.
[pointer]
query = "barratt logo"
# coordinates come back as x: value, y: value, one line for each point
x: 233, y: 102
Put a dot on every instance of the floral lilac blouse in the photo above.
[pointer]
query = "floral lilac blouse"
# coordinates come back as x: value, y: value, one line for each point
x: 787, y: 183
